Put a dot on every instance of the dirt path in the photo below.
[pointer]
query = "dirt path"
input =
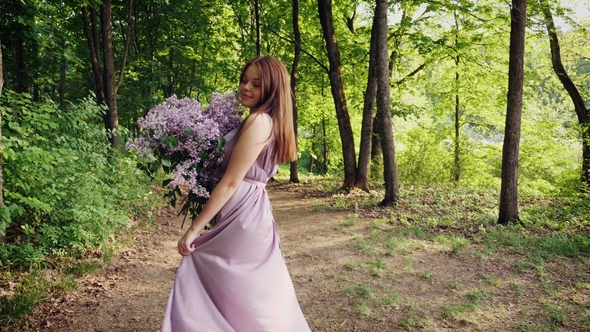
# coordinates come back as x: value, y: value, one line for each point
x: 351, y: 273
x: 130, y: 293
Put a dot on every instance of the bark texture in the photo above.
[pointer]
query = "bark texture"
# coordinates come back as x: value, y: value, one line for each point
x: 90, y: 29
x: 362, y: 171
x: 337, y: 86
x: 257, y: 26
x: 572, y: 90
x: 111, y: 118
x: 510, y: 152
x: 1, y: 160
x: 457, y: 152
x: 384, y: 107
x: 294, y: 170
x: 104, y: 74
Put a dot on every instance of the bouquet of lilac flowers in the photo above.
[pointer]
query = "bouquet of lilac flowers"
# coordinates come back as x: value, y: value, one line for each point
x: 186, y: 140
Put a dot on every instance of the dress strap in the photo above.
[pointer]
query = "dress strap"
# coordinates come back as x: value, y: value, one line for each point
x: 256, y: 183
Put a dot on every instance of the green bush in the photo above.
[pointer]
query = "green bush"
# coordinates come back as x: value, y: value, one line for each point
x: 65, y: 188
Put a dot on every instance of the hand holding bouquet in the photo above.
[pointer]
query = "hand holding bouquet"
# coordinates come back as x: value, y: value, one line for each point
x: 186, y: 140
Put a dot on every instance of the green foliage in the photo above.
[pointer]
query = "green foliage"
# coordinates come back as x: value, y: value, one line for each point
x: 435, y: 67
x: 63, y: 193
x: 426, y: 160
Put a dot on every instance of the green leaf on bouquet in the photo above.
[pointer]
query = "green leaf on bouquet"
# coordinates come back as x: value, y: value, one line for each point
x: 150, y: 157
x: 146, y: 169
x: 154, y: 167
x: 188, y: 132
x: 166, y: 162
x: 220, y: 144
x: 203, y: 154
x: 171, y: 141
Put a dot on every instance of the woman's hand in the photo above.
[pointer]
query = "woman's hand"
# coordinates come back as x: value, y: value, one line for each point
x: 185, y: 244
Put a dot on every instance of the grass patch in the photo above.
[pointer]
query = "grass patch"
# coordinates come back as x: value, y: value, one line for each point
x: 377, y: 267
x: 411, y: 320
x: 362, y: 308
x: 29, y: 292
x: 63, y: 285
x: 362, y: 291
x: 452, y: 243
x: 402, y: 245
x: 456, y: 311
x: 83, y: 267
x: 351, y: 220
x: 477, y: 296
x: 556, y: 314
x: 391, y: 300
x: 497, y: 268
x: 353, y: 265
x: 492, y: 281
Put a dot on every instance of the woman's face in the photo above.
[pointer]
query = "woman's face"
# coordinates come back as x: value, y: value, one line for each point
x: 250, y: 89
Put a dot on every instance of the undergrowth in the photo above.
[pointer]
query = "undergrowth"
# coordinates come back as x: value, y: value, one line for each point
x: 67, y: 196
x: 552, y: 240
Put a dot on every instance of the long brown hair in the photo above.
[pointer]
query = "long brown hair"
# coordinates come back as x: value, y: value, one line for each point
x: 276, y: 100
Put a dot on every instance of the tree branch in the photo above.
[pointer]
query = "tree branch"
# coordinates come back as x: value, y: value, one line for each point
x: 414, y: 72
x: 127, y: 41
x: 324, y: 67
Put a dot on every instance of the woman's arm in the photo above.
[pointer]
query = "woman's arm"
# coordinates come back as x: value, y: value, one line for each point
x: 257, y: 130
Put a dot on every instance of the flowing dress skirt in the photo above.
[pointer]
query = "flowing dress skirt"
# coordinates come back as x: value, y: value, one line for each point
x: 236, y: 279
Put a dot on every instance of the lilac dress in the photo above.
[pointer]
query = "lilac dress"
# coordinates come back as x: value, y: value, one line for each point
x: 236, y: 279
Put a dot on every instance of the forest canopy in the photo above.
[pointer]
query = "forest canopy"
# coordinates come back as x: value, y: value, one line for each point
x: 78, y: 73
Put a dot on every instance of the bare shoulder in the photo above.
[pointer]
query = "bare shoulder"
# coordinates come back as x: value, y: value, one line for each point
x: 258, y: 124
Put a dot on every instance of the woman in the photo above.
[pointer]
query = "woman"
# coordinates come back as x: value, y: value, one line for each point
x: 234, y: 277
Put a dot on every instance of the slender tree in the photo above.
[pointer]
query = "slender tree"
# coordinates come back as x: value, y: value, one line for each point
x: 572, y: 90
x: 294, y: 170
x: 337, y: 86
x: 2, y: 69
x: 1, y: 160
x: 384, y: 106
x: 105, y: 76
x: 362, y: 171
x: 457, y: 153
x: 91, y: 31
x: 257, y: 26
x: 509, y: 188
x: 22, y: 45
x: 111, y: 117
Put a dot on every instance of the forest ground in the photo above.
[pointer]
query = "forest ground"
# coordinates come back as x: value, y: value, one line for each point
x: 353, y: 270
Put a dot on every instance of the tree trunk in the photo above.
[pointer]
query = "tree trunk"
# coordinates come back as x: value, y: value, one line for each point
x: 2, y: 238
x: 23, y: 84
x: 457, y: 161
x: 457, y: 168
x: 257, y: 22
x: 384, y: 106
x: 337, y: 86
x: 294, y: 170
x: 1, y: 160
x: 376, y: 151
x: 572, y: 90
x: 325, y: 145
x: 510, y: 152
x: 362, y: 171
x: 90, y: 30
x: 170, y: 89
x: 111, y: 116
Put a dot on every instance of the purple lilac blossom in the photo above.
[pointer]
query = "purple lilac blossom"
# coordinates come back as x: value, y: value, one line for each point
x: 175, y: 118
